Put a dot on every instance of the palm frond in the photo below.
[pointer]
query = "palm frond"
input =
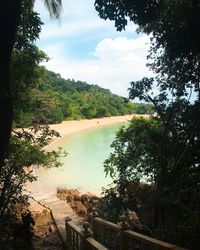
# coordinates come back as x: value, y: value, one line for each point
x: 54, y: 7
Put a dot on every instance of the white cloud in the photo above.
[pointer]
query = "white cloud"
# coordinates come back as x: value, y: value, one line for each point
x: 109, y: 58
x: 122, y: 49
x: 115, y: 63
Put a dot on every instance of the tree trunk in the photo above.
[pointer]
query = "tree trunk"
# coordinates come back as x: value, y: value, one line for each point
x: 10, y: 11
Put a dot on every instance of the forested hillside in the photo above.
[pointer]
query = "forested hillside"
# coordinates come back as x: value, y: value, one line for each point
x: 56, y: 99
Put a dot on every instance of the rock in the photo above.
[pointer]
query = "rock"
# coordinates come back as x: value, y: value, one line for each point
x: 76, y: 197
x: 84, y: 198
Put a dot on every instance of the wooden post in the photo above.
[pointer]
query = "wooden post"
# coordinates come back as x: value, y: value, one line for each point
x: 86, y: 233
x: 93, y: 214
x: 67, y: 230
x: 123, y: 225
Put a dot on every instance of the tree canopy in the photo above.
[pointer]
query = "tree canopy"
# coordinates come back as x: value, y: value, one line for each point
x: 54, y: 99
x: 171, y: 23
x: 19, y: 73
x: 11, y: 14
x: 175, y: 42
x: 169, y: 160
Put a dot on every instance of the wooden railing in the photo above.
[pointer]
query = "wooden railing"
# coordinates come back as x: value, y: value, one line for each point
x: 119, y: 237
x: 78, y: 238
x: 108, y: 235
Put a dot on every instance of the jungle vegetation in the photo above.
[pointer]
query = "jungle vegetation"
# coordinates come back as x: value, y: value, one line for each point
x: 155, y: 165
x: 20, y: 24
x: 155, y: 162
x: 33, y: 97
x: 55, y: 99
x: 19, y: 151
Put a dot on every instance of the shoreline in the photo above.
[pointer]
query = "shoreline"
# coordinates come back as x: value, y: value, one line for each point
x: 66, y: 128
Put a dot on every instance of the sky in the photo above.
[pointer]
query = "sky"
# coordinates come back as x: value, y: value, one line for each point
x: 84, y: 47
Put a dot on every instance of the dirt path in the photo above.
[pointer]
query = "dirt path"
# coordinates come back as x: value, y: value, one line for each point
x: 45, y: 234
x: 59, y: 211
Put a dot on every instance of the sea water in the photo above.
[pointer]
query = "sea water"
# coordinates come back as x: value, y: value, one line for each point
x: 83, y: 166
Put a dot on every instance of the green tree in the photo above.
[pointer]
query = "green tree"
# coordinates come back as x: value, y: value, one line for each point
x: 173, y: 166
x: 26, y: 147
x: 175, y: 52
x: 72, y: 100
x: 175, y: 45
x: 25, y: 150
x: 10, y: 15
x: 166, y: 156
x: 143, y: 108
x: 102, y: 111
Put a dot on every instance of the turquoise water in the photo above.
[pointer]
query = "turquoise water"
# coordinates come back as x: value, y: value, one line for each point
x: 83, y: 166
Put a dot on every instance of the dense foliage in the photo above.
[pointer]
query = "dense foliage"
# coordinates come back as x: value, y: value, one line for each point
x: 175, y: 42
x: 168, y: 160
x: 25, y: 151
x: 40, y: 96
x: 26, y: 148
x: 56, y: 99
x: 25, y: 71
x: 172, y: 178
x: 12, y: 15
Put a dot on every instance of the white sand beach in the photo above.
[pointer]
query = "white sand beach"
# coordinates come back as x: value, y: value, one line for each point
x: 70, y: 127
x: 67, y: 128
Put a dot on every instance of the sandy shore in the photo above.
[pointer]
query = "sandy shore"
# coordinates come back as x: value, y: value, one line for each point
x: 70, y: 127
x: 67, y: 128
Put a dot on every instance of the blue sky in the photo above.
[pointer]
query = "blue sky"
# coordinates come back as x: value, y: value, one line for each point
x: 84, y: 47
